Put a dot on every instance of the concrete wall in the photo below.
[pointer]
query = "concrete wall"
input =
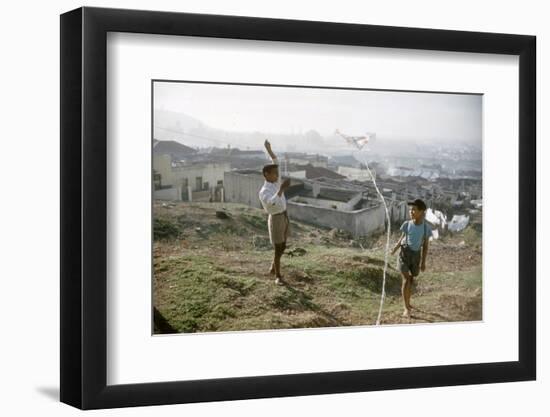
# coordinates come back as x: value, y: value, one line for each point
x: 297, y: 174
x: 305, y: 161
x: 320, y: 216
x: 163, y: 165
x: 329, y: 204
x: 320, y: 202
x: 210, y: 172
x: 243, y: 188
x: 353, y: 201
x: 168, y: 194
x: 368, y: 220
x: 202, y: 196
x: 176, y: 176
x: 399, y: 211
x: 356, y: 173
x: 358, y: 222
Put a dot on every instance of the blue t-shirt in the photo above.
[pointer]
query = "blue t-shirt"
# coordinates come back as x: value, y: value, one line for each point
x: 415, y: 233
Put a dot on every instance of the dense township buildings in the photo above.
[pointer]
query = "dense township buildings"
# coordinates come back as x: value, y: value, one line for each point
x: 323, y: 192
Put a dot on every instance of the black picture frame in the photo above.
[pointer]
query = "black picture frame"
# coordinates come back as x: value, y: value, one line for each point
x: 83, y: 311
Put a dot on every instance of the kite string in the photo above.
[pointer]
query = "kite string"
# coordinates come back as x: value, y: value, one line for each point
x: 353, y: 141
x: 383, y: 294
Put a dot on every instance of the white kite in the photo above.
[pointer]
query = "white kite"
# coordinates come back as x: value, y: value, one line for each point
x: 358, y: 141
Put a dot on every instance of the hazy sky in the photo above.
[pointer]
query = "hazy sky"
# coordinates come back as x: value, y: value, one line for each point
x: 399, y: 115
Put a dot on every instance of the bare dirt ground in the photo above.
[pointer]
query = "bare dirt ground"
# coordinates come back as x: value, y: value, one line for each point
x: 211, y: 262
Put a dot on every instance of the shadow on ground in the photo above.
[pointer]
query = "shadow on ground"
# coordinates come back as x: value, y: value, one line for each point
x: 161, y: 324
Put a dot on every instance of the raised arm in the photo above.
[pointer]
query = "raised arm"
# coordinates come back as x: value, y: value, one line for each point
x: 269, y: 150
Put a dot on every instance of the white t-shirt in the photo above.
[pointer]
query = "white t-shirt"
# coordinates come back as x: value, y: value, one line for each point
x: 271, y: 202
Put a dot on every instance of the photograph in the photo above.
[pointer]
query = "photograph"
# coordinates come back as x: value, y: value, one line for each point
x: 289, y: 207
x: 297, y: 207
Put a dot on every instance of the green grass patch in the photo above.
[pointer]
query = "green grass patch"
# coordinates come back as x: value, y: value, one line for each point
x: 255, y: 222
x: 215, y: 279
x: 164, y: 229
x: 472, y: 237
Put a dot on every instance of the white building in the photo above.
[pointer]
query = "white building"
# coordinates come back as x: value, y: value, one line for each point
x: 356, y: 174
x: 198, y: 181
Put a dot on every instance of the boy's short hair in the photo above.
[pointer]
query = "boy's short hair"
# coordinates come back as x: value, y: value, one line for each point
x: 268, y: 168
x: 418, y: 203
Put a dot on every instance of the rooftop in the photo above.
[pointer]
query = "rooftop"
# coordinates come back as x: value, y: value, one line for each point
x: 318, y: 172
x: 171, y: 147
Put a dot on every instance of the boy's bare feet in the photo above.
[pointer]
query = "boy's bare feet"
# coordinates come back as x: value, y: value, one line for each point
x: 279, y: 281
x: 407, y: 313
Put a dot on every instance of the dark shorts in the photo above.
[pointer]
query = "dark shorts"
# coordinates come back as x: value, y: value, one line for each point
x: 409, y: 260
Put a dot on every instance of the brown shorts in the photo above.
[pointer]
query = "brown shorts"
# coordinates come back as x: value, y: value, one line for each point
x: 278, y: 225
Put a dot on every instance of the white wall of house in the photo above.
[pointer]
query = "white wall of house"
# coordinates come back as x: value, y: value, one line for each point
x: 187, y: 175
x: 209, y: 173
x: 163, y: 165
x: 243, y: 188
x: 297, y: 174
x: 399, y: 210
x: 304, y: 161
x: 173, y: 194
x: 356, y: 173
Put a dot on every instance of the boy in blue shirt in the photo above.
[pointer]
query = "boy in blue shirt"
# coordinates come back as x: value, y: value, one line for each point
x: 414, y: 249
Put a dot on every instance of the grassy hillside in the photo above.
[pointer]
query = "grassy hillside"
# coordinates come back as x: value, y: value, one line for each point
x: 211, y: 262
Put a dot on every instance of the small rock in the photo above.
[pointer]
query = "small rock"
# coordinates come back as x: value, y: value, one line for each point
x: 296, y: 252
x: 220, y: 214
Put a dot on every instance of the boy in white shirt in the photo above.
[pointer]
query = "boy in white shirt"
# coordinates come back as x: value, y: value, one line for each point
x: 273, y: 201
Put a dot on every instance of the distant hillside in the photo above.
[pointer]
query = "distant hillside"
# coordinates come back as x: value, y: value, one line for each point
x: 177, y: 121
x: 179, y: 127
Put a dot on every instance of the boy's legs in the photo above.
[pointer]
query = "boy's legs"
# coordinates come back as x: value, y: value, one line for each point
x: 406, y: 285
x: 409, y: 265
x: 272, y: 269
x: 279, y: 249
x: 404, y: 265
x: 278, y: 231
x: 276, y: 265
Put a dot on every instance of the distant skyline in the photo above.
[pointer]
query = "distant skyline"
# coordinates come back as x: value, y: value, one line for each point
x: 437, y: 117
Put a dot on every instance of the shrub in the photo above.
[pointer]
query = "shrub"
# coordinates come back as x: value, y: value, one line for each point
x: 472, y: 237
x: 164, y: 229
